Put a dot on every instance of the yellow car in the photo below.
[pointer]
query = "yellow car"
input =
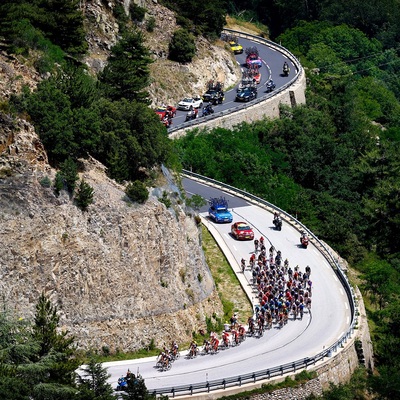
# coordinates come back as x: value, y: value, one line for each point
x: 236, y: 47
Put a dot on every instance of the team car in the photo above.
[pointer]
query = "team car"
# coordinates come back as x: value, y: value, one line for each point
x: 189, y: 103
x: 236, y: 47
x: 215, y: 92
x: 166, y: 111
x: 246, y: 94
x: 218, y: 210
x: 214, y: 96
x: 253, y: 57
x: 242, y: 231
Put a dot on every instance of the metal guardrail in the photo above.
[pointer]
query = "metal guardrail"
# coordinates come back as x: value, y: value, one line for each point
x: 252, y: 377
x: 266, y: 96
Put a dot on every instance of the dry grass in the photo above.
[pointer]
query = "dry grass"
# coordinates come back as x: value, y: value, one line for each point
x: 246, y: 27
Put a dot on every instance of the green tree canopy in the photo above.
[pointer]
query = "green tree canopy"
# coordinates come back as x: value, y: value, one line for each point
x: 61, y: 21
x: 182, y: 47
x: 93, y: 383
x: 127, y: 73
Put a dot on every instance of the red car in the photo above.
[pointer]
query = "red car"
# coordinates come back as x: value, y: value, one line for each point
x: 168, y: 111
x: 242, y: 231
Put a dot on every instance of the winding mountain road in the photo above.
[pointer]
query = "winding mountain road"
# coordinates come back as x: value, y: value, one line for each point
x: 272, y: 69
x: 299, y: 339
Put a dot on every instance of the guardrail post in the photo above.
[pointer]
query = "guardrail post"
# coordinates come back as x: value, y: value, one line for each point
x: 224, y: 383
x: 173, y: 392
x: 208, y: 387
x: 306, y: 362
x: 268, y: 374
x: 281, y: 369
x: 294, y: 367
x: 191, y: 389
x: 254, y: 378
x: 240, y: 380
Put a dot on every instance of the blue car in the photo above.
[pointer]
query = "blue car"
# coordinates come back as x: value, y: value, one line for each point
x: 218, y: 210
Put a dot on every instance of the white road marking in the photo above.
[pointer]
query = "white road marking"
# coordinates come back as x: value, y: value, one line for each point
x: 336, y: 279
x: 340, y: 336
x: 347, y: 320
x: 234, y: 248
x: 226, y: 235
x: 347, y: 307
x: 341, y: 291
x: 315, y: 251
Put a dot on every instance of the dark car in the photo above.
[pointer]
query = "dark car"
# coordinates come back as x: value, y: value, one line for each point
x: 214, y: 96
x: 246, y: 94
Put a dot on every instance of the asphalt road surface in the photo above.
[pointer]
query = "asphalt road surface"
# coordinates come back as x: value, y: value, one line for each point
x: 330, y: 315
x: 272, y: 69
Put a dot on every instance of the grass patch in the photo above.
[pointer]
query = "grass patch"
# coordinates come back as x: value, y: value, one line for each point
x: 119, y: 356
x: 232, y: 296
x: 241, y: 24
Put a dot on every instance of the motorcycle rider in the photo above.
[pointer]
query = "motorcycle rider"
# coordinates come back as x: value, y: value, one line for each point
x: 286, y: 68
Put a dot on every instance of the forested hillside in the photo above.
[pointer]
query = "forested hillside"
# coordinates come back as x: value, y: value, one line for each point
x: 333, y: 163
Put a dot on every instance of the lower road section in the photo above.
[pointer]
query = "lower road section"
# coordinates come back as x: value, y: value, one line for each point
x: 299, y: 339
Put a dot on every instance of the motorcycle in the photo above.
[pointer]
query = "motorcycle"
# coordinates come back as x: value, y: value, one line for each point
x: 167, y: 121
x: 207, y: 110
x: 192, y: 114
x: 286, y: 69
x: 277, y: 221
x: 304, y: 240
x: 270, y: 86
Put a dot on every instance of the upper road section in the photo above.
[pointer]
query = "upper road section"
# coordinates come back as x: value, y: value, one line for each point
x: 289, y: 90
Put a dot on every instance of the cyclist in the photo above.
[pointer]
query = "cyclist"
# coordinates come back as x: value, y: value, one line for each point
x: 243, y: 264
x: 256, y: 245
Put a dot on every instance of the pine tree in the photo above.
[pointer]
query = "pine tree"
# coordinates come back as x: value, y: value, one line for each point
x: 69, y: 172
x: 136, y: 389
x: 84, y: 195
x: 127, y: 73
x: 93, y: 384
x: 57, y: 348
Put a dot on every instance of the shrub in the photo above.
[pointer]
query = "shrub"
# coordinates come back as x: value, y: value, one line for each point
x: 182, y: 47
x: 150, y: 24
x: 58, y: 183
x: 165, y: 200
x: 69, y: 173
x: 137, y: 192
x: 84, y: 195
x: 137, y: 13
x: 45, y: 182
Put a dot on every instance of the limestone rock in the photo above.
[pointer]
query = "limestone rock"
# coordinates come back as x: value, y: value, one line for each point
x: 121, y: 274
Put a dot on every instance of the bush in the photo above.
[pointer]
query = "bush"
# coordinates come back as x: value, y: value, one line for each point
x: 150, y: 24
x: 69, y: 173
x: 165, y: 200
x: 182, y: 47
x: 137, y: 192
x: 45, y: 182
x: 137, y: 13
x: 84, y: 195
x: 58, y: 183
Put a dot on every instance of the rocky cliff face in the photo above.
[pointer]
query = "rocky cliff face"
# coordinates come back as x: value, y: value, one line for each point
x: 121, y: 273
x: 170, y: 81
